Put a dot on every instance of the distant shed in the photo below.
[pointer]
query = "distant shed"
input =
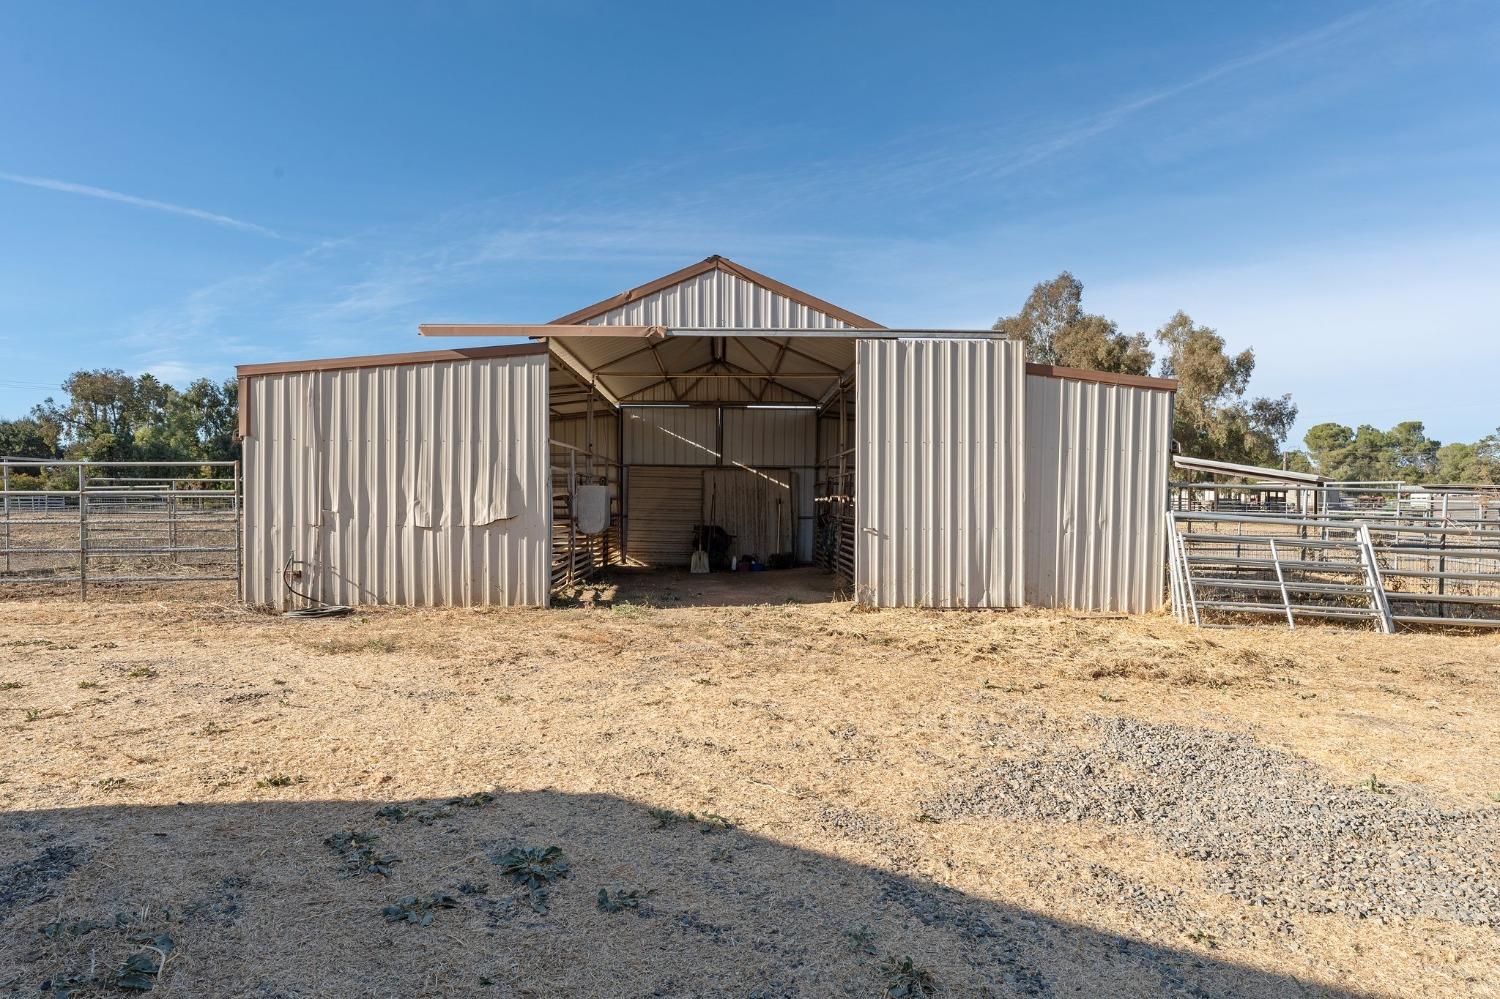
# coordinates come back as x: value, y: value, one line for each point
x: 921, y: 467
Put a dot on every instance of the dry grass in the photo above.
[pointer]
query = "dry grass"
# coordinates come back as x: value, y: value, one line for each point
x: 182, y: 764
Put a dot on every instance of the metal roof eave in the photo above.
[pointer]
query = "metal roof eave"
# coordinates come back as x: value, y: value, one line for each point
x: 1214, y: 467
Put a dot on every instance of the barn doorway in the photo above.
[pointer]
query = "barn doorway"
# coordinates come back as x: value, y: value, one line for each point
x: 695, y: 458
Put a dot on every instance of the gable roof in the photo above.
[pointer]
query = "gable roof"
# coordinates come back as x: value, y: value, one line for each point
x: 715, y: 263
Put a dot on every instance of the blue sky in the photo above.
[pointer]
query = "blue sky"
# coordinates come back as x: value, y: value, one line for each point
x: 187, y: 186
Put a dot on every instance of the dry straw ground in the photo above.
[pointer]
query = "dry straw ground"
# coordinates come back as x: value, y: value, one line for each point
x: 1019, y: 803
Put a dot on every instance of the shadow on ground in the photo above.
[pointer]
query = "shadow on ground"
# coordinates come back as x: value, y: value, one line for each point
x: 680, y: 588
x: 269, y: 899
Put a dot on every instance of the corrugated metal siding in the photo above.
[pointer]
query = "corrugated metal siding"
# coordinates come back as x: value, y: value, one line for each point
x: 663, y: 504
x: 1096, y: 485
x: 782, y: 437
x: 344, y: 467
x: 665, y: 436
x: 758, y: 508
x: 940, y: 468
x: 574, y: 431
x: 718, y: 298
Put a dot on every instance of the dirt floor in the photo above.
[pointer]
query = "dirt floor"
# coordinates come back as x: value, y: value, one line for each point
x: 783, y: 799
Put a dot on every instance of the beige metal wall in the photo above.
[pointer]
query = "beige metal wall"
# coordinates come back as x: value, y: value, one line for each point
x: 667, y: 436
x: 718, y: 298
x: 414, y: 484
x: 940, y: 462
x: 1096, y: 484
x: 783, y: 439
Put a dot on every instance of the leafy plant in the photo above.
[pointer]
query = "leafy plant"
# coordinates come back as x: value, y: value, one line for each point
x: 861, y: 941
x: 141, y: 672
x: 88, y: 684
x: 357, y: 849
x: 11, y: 685
x: 73, y: 928
x: 1378, y: 786
x: 621, y: 899
x: 110, y: 783
x: 412, y: 909
x: 904, y: 978
x: 141, y: 970
x: 708, y: 822
x: 32, y: 714
x: 533, y: 867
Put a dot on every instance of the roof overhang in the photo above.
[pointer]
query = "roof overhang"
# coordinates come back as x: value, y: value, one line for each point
x: 1209, y: 466
x: 657, y: 365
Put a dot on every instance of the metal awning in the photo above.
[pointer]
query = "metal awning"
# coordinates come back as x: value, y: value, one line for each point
x: 1211, y: 467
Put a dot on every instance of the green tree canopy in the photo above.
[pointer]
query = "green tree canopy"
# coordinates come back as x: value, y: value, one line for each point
x: 1213, y: 417
x: 111, y: 416
x: 1403, y: 453
x: 1056, y: 330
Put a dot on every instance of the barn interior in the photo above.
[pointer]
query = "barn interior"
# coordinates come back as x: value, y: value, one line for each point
x: 734, y: 444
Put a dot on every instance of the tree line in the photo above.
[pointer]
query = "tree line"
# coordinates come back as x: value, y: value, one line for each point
x: 108, y: 415
x: 1215, y: 417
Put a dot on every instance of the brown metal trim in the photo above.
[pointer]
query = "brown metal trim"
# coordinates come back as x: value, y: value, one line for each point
x: 386, y: 360
x: 715, y: 262
x: 535, y: 331
x: 1105, y: 377
x: 242, y: 404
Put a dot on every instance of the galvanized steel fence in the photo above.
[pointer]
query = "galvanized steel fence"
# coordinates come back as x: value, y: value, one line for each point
x: 1389, y: 571
x: 85, y: 524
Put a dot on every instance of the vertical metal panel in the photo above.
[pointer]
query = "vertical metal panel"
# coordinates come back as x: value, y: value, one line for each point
x: 759, y: 437
x: 940, y: 465
x: 780, y: 438
x: 416, y: 484
x: 662, y: 505
x: 669, y: 436
x: 718, y: 298
x: 1096, y: 485
x: 758, y: 507
x: 574, y: 431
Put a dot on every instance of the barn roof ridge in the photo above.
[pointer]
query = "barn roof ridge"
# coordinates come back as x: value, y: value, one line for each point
x: 719, y: 263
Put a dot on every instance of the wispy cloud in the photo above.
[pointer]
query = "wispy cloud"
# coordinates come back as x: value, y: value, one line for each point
x: 68, y: 187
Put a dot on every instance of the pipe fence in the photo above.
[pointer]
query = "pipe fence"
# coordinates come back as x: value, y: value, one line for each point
x: 1387, y: 571
x: 85, y: 524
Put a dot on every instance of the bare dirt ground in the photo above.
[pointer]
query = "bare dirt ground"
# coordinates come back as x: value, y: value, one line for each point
x: 786, y: 799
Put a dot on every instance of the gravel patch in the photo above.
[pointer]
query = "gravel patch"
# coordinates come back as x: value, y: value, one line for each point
x: 1270, y: 829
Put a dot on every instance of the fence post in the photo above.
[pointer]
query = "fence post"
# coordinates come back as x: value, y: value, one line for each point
x: 83, y: 533
x: 1378, y: 600
x: 239, y: 538
x: 6, y: 487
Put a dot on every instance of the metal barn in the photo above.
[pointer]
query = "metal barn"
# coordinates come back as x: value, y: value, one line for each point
x: 918, y: 467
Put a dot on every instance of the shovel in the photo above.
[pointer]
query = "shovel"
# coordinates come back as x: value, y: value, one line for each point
x: 699, y: 564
